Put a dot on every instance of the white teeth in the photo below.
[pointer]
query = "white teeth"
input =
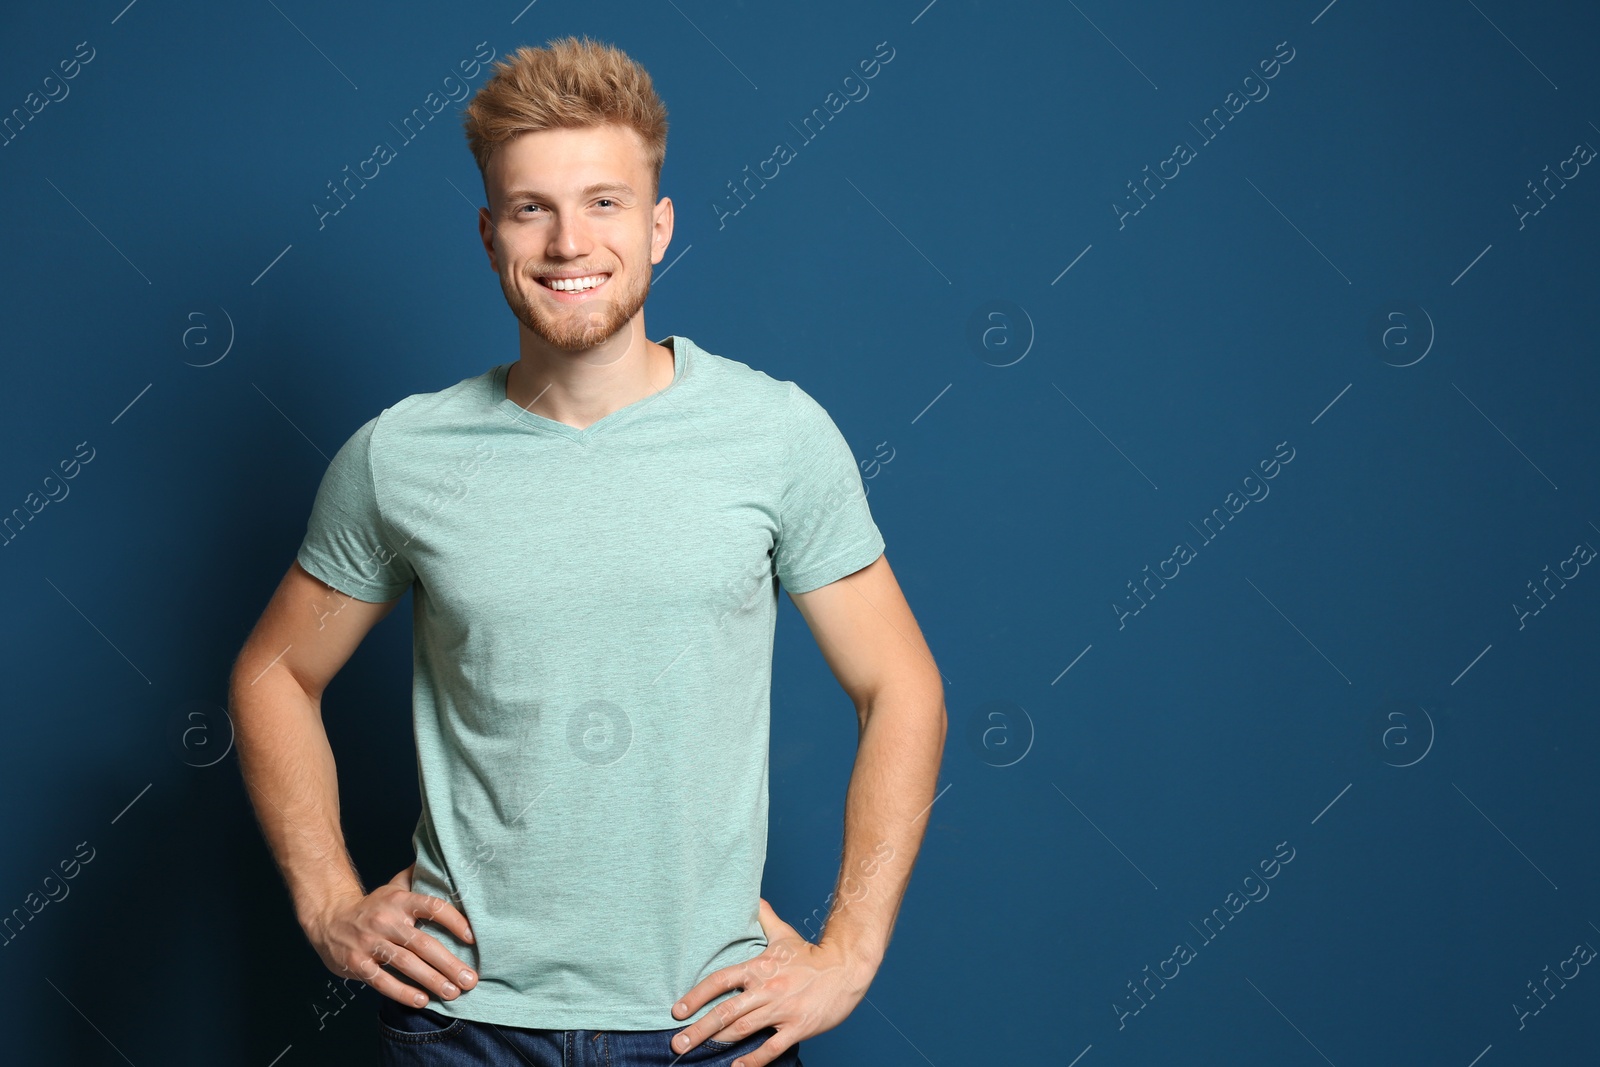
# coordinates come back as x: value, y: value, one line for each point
x: 575, y: 285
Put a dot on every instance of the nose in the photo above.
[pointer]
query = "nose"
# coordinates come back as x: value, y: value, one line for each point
x: 569, y: 238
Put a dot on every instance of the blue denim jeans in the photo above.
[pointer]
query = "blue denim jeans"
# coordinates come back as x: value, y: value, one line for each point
x: 420, y: 1037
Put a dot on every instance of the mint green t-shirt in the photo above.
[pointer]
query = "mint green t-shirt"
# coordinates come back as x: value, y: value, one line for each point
x: 593, y: 615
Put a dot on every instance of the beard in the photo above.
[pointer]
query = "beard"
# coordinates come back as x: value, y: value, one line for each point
x: 578, y: 327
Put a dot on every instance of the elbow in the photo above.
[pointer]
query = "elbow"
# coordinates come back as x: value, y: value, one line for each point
x: 917, y: 703
x: 931, y: 685
x: 255, y: 671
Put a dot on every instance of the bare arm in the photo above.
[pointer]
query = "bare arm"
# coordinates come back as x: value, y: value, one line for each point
x: 871, y: 641
x: 305, y: 636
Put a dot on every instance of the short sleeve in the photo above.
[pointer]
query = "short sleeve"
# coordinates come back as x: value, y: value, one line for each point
x: 825, y: 529
x: 347, y: 543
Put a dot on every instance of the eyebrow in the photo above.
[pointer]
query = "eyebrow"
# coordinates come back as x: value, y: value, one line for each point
x: 585, y: 193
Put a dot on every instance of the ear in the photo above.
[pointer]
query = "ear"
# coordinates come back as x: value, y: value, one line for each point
x: 486, y: 235
x: 661, y: 230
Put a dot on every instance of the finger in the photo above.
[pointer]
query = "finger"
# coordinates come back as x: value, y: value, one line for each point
x: 725, y: 1022
x: 435, y: 955
x: 368, y: 970
x: 419, y: 970
x: 771, y: 925
x: 390, y: 986
x: 732, y: 1021
x: 766, y: 1052
x: 709, y: 988
x: 441, y: 911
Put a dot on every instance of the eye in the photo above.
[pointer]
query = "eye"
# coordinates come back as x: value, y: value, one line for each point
x: 527, y: 206
x: 606, y: 200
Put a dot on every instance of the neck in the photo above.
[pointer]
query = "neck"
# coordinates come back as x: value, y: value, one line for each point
x: 583, y: 387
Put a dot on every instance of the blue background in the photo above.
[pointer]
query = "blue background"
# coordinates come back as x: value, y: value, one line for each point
x: 1344, y: 670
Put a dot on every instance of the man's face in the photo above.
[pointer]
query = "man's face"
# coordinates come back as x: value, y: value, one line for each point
x: 573, y: 204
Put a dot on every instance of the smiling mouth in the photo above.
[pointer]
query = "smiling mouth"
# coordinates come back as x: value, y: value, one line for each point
x: 581, y: 284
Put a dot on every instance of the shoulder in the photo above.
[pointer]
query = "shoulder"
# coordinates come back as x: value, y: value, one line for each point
x: 782, y: 406
x: 733, y: 381
x: 421, y: 415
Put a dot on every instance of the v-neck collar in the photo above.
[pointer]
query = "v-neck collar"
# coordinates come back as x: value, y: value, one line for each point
x: 680, y: 348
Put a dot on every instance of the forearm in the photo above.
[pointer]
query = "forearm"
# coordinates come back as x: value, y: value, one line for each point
x: 887, y: 809
x: 289, y: 773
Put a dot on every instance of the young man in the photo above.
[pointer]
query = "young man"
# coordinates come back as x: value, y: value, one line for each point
x: 594, y: 536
